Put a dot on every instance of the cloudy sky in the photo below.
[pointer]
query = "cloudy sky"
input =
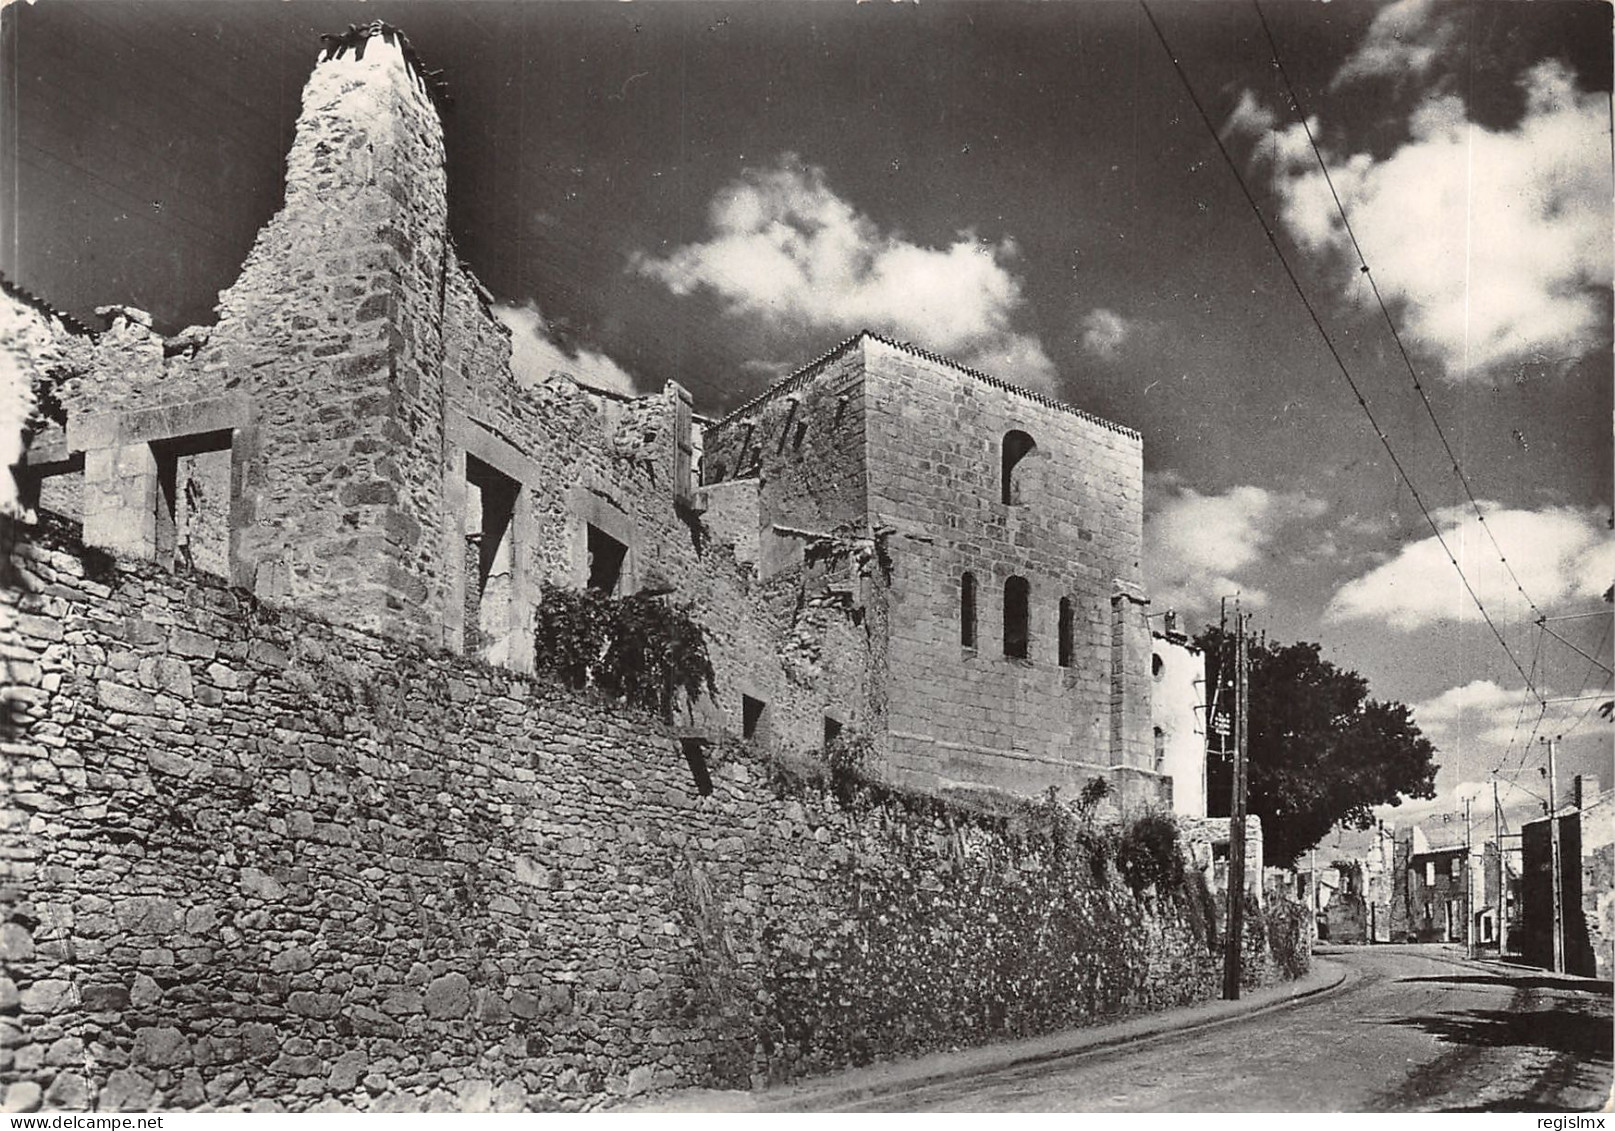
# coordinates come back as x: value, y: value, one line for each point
x: 717, y: 193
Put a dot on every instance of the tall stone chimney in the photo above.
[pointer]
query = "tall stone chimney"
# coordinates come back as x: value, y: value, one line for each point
x: 334, y: 331
x: 1586, y: 790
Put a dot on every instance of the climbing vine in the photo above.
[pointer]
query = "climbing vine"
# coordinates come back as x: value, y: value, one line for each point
x: 646, y: 649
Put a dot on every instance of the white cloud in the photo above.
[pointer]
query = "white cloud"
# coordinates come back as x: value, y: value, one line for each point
x: 1494, y: 246
x: 535, y: 357
x: 1104, y: 332
x: 1250, y: 118
x: 1480, y: 711
x: 1196, y: 546
x: 1558, y: 554
x: 786, y: 248
x: 1403, y: 43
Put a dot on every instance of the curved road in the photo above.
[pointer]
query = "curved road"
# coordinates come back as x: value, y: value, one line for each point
x: 1412, y: 1029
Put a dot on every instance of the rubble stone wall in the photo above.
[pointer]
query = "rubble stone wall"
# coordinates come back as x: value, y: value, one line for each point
x: 256, y: 860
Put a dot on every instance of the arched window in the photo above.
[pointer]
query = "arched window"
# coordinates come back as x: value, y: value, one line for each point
x: 967, y: 611
x: 1017, y: 600
x: 1065, y: 632
x: 1160, y: 749
x: 1017, y: 446
x: 1157, y: 665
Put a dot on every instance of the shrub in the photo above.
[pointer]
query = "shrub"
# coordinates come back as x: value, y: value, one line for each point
x: 1148, y: 854
x: 846, y: 755
x: 643, y: 648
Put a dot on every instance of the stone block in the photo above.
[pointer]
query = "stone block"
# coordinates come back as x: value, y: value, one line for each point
x: 104, y: 998
x: 293, y: 961
x: 22, y: 1096
x: 160, y: 1046
x: 310, y: 1004
x: 448, y: 996
x: 70, y: 1091
x: 126, y: 1090
x: 347, y: 1070
x: 185, y: 642
x: 128, y: 700
x: 64, y: 1051
x: 259, y: 883
x: 49, y: 995
x: 16, y: 943
x: 403, y: 1002
x: 144, y: 992
x: 148, y: 915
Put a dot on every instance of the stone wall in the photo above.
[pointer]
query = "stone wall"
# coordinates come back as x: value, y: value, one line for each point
x: 908, y: 448
x: 974, y: 714
x: 256, y: 860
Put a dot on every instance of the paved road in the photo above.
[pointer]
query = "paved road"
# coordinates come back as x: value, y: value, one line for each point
x: 1410, y: 1030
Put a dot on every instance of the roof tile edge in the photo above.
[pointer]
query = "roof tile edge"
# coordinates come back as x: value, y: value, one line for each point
x: 795, y: 380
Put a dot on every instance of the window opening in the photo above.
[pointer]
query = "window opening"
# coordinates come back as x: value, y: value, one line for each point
x: 1017, y: 599
x: 489, y: 560
x: 751, y: 715
x: 1017, y: 446
x: 832, y: 730
x: 695, y: 753
x: 967, y: 610
x: 1157, y: 665
x: 1065, y: 632
x: 1160, y: 749
x: 192, y: 520
x: 801, y: 434
x: 606, y: 557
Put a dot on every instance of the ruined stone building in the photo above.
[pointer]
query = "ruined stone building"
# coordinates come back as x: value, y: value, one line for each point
x: 297, y: 818
x: 884, y: 540
x: 1178, y: 713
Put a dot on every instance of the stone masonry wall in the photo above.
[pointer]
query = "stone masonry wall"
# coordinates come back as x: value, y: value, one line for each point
x: 253, y: 860
x: 974, y: 714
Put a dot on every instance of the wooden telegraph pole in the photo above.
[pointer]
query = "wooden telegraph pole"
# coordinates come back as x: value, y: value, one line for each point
x: 1469, y: 884
x: 1236, y: 818
x: 1557, y: 861
x: 1502, y: 874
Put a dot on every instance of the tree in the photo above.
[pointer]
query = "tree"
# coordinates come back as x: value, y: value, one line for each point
x: 1321, y: 752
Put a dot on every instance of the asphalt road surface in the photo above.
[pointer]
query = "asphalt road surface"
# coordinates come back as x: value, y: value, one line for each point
x: 1410, y: 1030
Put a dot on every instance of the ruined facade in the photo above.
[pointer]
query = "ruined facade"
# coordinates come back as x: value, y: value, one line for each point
x: 293, y: 825
x: 1434, y: 889
x: 885, y: 540
x: 1178, y: 717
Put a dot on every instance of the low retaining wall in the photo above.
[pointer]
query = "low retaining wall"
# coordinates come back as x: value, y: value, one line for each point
x: 252, y: 860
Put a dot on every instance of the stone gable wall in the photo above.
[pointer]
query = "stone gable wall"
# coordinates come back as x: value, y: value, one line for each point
x: 935, y: 443
x: 807, y: 448
x: 252, y: 859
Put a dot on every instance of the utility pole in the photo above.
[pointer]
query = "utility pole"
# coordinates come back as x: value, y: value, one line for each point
x: 1469, y: 884
x: 1236, y: 819
x: 1312, y: 863
x: 1558, y: 875
x: 1502, y: 873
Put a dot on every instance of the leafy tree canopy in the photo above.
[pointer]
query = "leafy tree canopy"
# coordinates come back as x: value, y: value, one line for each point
x: 1321, y: 751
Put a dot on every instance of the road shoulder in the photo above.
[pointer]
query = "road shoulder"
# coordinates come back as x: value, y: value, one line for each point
x: 858, y: 1084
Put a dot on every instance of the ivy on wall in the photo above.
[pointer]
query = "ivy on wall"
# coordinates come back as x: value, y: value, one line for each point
x: 646, y: 649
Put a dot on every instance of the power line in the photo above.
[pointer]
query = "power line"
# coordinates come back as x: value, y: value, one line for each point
x: 1418, y: 385
x: 1519, y: 715
x: 1329, y: 342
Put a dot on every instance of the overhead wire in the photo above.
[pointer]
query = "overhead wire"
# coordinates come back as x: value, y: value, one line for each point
x: 1519, y: 716
x: 1418, y: 385
x: 1334, y: 352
